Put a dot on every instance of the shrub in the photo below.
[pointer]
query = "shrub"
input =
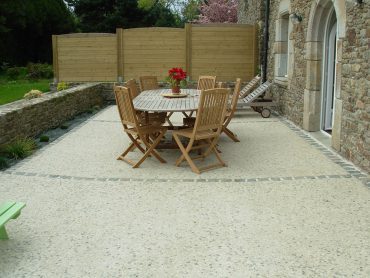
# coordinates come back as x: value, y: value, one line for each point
x: 13, y: 73
x: 20, y: 148
x: 3, y: 163
x: 4, y: 66
x: 62, y: 86
x: 64, y: 126
x: 44, y: 138
x: 38, y: 71
x: 33, y: 94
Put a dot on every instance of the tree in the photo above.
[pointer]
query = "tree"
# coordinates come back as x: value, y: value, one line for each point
x: 190, y: 10
x: 223, y: 11
x: 26, y: 28
x: 107, y: 15
x: 184, y: 10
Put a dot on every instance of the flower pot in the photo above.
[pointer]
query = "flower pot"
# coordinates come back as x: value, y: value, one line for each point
x: 176, y: 89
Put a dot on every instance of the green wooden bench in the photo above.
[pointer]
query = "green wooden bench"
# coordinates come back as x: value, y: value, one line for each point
x: 9, y: 210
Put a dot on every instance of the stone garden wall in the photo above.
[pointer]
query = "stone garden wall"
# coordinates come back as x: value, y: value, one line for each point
x: 28, y: 118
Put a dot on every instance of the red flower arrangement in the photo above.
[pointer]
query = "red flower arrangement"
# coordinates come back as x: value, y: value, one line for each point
x: 176, y: 78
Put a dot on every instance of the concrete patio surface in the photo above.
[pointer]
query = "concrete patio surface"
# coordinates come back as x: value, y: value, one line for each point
x: 286, y: 206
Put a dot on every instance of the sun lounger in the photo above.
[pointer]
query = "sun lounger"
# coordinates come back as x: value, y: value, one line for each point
x: 257, y: 103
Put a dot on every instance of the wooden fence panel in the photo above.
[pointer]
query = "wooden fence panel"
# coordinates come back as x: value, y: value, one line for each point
x: 225, y: 50
x: 152, y: 51
x: 87, y: 57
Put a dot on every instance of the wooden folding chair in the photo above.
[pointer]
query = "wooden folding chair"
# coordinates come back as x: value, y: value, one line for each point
x: 249, y: 87
x: 206, y: 131
x: 206, y: 82
x: 151, y: 83
x: 144, y: 137
x: 132, y: 86
x: 231, y: 111
x: 233, y: 103
x: 148, y: 83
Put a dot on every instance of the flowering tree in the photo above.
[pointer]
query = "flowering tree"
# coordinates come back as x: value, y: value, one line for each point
x: 224, y: 11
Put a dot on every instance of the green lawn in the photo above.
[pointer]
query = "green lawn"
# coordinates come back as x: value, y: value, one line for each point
x: 14, y: 90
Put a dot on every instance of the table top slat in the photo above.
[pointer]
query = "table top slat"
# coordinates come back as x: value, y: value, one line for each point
x: 153, y: 101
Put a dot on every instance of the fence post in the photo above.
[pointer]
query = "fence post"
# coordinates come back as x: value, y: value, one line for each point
x: 119, y: 35
x: 55, y: 58
x: 256, y: 48
x: 188, y: 49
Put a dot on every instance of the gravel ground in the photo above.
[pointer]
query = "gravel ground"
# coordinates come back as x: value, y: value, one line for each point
x: 286, y: 206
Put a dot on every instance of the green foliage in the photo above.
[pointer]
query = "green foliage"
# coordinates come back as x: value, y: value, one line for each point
x: 26, y: 28
x: 64, y: 126
x: 33, y: 94
x: 3, y: 163
x: 39, y: 71
x: 190, y: 10
x: 15, y: 90
x: 20, y: 148
x: 44, y: 138
x: 62, y: 86
x: 106, y: 16
x: 13, y: 73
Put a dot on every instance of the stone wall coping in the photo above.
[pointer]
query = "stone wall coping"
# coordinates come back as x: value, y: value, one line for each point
x: 22, y: 103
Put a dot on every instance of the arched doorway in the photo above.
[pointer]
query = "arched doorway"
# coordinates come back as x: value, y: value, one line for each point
x: 322, y: 99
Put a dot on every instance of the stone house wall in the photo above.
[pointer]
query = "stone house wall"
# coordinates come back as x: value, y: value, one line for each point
x: 28, y: 118
x: 353, y: 73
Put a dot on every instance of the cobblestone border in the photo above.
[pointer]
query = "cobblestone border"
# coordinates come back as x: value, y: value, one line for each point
x: 331, y: 154
x: 190, y: 180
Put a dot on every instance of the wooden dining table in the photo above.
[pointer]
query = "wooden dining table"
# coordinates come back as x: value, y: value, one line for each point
x: 154, y: 101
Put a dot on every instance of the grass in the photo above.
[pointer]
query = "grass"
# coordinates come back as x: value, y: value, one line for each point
x: 14, y: 90
x: 20, y: 148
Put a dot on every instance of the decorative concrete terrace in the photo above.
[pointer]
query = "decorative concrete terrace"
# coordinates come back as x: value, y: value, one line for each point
x: 286, y: 206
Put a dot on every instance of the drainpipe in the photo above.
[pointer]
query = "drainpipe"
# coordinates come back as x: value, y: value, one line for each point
x: 266, y: 41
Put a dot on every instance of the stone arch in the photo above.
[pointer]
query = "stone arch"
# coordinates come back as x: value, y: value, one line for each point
x: 319, y: 14
x: 319, y: 11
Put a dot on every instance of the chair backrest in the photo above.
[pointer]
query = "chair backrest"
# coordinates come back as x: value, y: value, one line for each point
x: 212, y: 109
x: 206, y: 82
x: 131, y: 85
x: 234, y: 101
x: 249, y: 87
x: 235, y: 96
x: 148, y: 83
x: 125, y: 106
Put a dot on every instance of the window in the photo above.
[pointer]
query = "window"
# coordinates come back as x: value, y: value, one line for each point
x: 283, y: 47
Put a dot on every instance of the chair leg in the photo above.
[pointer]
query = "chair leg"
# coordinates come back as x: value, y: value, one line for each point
x: 129, y: 149
x: 185, y: 154
x: 151, y: 150
x: 168, y: 119
x: 230, y: 134
x: 137, y: 144
x: 218, y: 156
